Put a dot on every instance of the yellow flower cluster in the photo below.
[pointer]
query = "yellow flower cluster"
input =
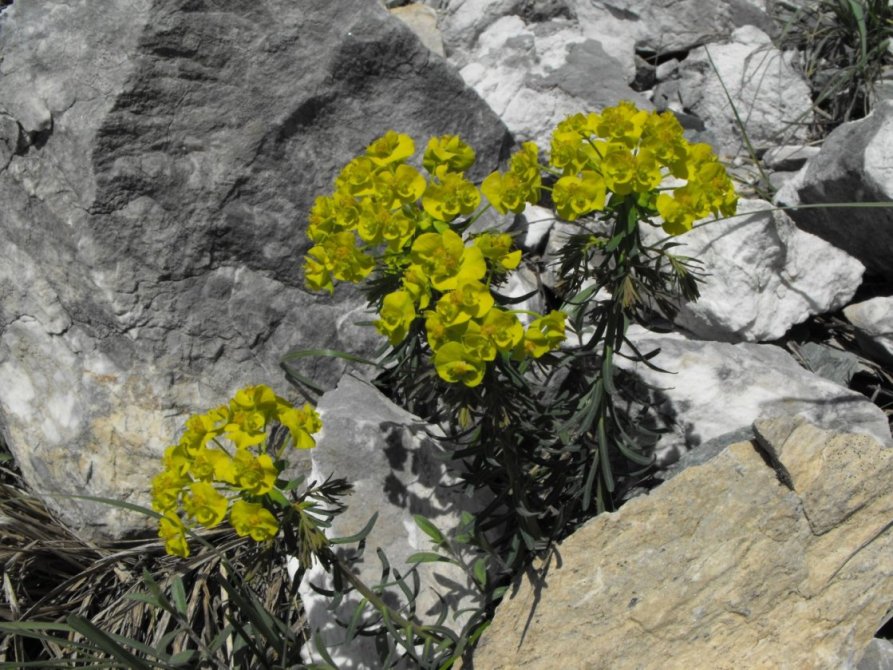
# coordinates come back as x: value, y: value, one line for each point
x: 625, y: 150
x: 221, y: 464
x: 384, y: 213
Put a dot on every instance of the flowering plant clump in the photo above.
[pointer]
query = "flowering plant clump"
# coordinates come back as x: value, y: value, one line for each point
x: 538, y: 420
x: 222, y: 465
x: 548, y: 439
x: 386, y: 216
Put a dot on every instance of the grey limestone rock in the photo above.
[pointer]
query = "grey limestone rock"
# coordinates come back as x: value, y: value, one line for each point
x: 771, y: 98
x: 878, y: 655
x: 853, y: 166
x: 714, y: 388
x: 397, y: 470
x: 873, y: 320
x: 762, y: 275
x: 157, y: 163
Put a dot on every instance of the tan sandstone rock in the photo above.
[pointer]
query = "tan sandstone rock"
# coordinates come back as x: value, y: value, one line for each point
x: 723, y: 566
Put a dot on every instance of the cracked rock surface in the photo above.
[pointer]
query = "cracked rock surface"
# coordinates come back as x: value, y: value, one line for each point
x: 157, y: 160
x: 723, y: 566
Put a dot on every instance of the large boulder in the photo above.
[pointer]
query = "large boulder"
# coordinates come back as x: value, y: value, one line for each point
x: 852, y: 167
x: 768, y: 96
x: 705, y: 390
x: 538, y: 62
x: 157, y: 163
x: 762, y: 275
x: 769, y: 556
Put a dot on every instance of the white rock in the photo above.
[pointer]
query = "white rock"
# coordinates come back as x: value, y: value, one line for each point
x: 873, y: 320
x: 715, y: 388
x: 396, y: 470
x: 789, y: 156
x: 763, y: 275
x: 852, y: 167
x: 771, y: 97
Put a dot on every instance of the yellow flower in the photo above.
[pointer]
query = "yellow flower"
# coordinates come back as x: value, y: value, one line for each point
x: 397, y: 314
x: 477, y: 345
x: 408, y: 185
x: 416, y: 283
x: 447, y: 153
x: 398, y: 230
x: 177, y: 459
x: 204, y: 504
x: 544, y: 334
x: 254, y: 520
x: 662, y: 137
x: 497, y: 248
x: 166, y: 489
x: 323, y: 220
x: 200, y: 429
x: 318, y: 270
x: 619, y: 168
x: 622, y: 123
x: 258, y: 398
x: 347, y: 261
x: 437, y: 332
x: 524, y: 164
x: 576, y: 196
x: 301, y: 423
x: 255, y: 474
x: 247, y: 428
x: 357, y: 178
x: 678, y: 211
x: 173, y: 532
x: 392, y: 147
x: 470, y: 299
x: 445, y: 260
x: 505, y: 192
x: 454, y: 363
x: 202, y: 466
x: 567, y: 153
x: 374, y: 216
x: 502, y: 328
x: 453, y: 196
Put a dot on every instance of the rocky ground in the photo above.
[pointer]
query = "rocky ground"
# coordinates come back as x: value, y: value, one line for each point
x: 158, y: 158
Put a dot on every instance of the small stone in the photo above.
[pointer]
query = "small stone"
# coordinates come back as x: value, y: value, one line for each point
x: 873, y: 320
x: 789, y: 156
x: 422, y: 20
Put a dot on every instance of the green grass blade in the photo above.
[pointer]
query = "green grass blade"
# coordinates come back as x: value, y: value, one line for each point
x: 106, y: 643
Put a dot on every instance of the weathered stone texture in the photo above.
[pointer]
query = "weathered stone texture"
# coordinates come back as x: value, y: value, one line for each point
x: 165, y: 157
x: 722, y: 567
x: 852, y: 166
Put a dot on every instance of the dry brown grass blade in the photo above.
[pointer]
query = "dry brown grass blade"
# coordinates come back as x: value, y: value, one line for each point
x: 49, y: 573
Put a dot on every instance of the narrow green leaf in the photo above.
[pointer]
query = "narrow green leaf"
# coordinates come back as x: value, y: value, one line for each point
x: 427, y: 557
x: 356, y: 537
x: 480, y: 572
x: 105, y: 642
x: 183, y: 657
x: 429, y: 529
x: 178, y: 594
